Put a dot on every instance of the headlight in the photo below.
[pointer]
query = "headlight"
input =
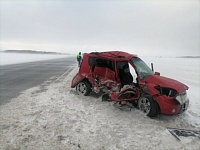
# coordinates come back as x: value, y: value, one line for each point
x: 182, y: 98
x: 179, y: 99
x: 166, y: 91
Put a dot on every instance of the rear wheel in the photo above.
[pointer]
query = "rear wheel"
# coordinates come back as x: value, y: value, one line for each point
x: 83, y: 88
x: 148, y: 106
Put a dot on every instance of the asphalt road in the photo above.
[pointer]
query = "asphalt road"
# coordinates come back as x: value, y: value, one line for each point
x: 19, y: 77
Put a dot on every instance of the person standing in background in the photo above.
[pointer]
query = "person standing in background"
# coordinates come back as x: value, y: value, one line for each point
x: 79, y: 57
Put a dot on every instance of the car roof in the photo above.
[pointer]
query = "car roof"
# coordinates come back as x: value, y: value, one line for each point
x: 114, y: 55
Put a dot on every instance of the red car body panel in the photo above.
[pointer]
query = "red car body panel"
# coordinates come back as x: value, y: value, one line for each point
x: 110, y: 78
x: 169, y: 105
x: 77, y: 79
x: 166, y: 82
x: 121, y: 96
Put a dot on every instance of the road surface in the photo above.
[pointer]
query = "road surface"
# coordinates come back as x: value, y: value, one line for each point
x: 19, y: 77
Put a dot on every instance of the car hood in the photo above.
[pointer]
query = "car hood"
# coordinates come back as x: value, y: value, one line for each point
x: 166, y: 82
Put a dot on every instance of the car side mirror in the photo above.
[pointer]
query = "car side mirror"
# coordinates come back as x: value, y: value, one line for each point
x: 152, y: 67
x: 157, y: 73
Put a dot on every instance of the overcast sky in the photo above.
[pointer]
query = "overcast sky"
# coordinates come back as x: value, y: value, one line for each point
x: 143, y: 27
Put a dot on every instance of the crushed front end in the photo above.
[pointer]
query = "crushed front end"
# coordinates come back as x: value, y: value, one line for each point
x: 170, y: 101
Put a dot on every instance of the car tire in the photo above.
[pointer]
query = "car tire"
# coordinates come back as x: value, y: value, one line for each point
x: 84, y: 88
x: 148, y: 105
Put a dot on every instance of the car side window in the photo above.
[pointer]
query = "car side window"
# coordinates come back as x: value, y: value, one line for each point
x: 91, y: 61
x: 105, y: 63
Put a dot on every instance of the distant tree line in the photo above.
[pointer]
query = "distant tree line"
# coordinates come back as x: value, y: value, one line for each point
x: 32, y: 52
x: 189, y: 57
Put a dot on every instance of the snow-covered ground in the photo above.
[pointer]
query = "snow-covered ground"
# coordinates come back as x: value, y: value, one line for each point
x: 16, y: 58
x: 52, y: 116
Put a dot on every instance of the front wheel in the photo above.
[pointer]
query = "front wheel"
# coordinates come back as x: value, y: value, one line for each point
x: 148, y: 106
x: 83, y: 88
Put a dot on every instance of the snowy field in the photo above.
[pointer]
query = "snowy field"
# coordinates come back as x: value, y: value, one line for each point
x: 16, y: 58
x: 52, y: 116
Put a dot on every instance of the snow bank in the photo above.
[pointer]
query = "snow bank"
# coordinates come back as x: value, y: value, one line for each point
x: 52, y: 116
x: 16, y: 58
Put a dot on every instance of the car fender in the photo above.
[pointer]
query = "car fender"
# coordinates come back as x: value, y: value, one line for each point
x: 77, y: 79
x: 150, y: 89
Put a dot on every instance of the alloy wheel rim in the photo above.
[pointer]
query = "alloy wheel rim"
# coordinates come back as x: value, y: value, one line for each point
x: 144, y: 105
x: 81, y: 88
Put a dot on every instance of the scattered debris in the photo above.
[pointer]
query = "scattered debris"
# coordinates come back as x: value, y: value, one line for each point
x: 122, y: 106
x: 183, y: 132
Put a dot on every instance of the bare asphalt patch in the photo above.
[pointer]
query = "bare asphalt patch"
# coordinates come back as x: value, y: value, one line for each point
x: 16, y: 78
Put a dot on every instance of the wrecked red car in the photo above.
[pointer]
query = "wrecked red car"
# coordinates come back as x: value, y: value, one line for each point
x: 125, y: 79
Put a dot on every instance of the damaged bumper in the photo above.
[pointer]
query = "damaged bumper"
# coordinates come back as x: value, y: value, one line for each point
x: 170, y: 105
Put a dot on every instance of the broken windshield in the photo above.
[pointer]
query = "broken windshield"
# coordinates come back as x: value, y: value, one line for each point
x: 142, y: 68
